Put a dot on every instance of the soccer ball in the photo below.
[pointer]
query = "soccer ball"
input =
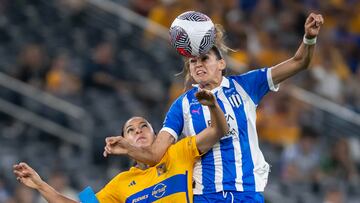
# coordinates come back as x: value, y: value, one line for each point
x: 192, y: 34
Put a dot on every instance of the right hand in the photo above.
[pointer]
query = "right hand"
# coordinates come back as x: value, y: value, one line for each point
x: 206, y: 97
x: 27, y: 176
x: 115, y: 145
x: 313, y: 24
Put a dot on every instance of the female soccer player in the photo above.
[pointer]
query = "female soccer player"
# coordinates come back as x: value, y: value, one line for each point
x: 168, y: 181
x: 234, y: 170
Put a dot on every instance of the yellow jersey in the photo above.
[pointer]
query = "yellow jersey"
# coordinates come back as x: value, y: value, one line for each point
x: 169, y: 181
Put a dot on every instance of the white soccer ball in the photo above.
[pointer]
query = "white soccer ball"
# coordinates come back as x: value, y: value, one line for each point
x: 192, y: 34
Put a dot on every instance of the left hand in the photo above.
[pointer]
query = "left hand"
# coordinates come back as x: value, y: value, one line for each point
x: 205, y: 97
x: 313, y: 24
x: 27, y: 175
x: 115, y: 145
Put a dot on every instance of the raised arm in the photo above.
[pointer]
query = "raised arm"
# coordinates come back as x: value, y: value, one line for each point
x: 206, y: 139
x: 150, y: 155
x: 303, y: 55
x: 28, y: 176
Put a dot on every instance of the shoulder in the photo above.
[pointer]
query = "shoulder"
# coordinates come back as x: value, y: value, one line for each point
x: 123, y: 175
x: 249, y: 74
x: 183, y: 144
x: 188, y: 92
x: 179, y: 100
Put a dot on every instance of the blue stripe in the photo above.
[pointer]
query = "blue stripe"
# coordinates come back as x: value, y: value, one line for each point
x: 88, y: 196
x: 174, y: 117
x: 187, y: 192
x: 169, y: 186
x: 228, y: 158
x: 207, y: 160
x: 247, y: 163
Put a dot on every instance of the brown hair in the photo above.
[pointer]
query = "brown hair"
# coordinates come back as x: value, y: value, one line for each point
x: 219, y: 48
x: 124, y: 125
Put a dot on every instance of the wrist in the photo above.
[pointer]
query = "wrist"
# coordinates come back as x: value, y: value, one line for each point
x: 42, y: 186
x: 309, y: 40
x: 213, y: 106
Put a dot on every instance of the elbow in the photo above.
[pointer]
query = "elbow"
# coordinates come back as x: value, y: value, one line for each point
x: 225, y: 131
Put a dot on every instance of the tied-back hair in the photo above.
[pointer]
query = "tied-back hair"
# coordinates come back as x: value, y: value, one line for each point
x: 219, y: 48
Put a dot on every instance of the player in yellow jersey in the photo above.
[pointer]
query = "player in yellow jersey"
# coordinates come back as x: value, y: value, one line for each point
x: 168, y: 181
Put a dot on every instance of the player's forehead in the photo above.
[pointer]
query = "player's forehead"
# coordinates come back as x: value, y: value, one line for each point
x: 134, y: 121
x: 209, y: 53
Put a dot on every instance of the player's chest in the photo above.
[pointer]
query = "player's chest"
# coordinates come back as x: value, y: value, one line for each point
x: 234, y: 105
x: 155, y: 184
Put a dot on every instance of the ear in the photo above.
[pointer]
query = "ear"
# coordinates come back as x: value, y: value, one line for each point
x: 222, y: 64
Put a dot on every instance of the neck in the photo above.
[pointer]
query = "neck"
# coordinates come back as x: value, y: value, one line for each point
x: 212, y: 84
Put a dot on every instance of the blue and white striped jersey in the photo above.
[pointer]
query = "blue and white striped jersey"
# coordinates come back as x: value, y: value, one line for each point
x: 236, y: 162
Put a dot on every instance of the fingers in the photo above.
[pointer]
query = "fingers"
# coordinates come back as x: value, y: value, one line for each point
x: 203, y: 93
x: 25, y: 166
x: 309, y: 19
x: 107, y: 151
x: 21, y: 174
x: 110, y: 140
x: 317, y: 18
x: 113, y: 139
x: 22, y: 170
x: 311, y: 24
x: 320, y: 19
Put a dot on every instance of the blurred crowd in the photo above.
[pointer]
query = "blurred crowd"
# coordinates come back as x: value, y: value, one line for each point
x: 114, y: 70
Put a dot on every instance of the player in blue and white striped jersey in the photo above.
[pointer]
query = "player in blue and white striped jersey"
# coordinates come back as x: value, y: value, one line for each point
x: 235, y: 169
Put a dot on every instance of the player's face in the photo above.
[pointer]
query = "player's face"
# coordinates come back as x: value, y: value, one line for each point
x: 139, y: 132
x: 206, y: 69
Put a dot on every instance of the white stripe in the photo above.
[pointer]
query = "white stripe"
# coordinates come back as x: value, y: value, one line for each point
x: 197, y: 176
x: 236, y: 143
x: 216, y: 155
x: 271, y: 84
x: 189, y: 130
x: 238, y: 99
x: 261, y: 168
x: 231, y: 101
x: 171, y: 131
x: 218, y: 167
x: 232, y: 97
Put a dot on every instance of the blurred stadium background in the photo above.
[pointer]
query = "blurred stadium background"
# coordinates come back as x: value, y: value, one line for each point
x: 72, y: 71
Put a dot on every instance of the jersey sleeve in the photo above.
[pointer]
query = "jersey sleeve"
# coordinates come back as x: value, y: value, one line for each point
x: 257, y: 83
x: 186, y: 150
x: 88, y: 196
x: 110, y: 193
x: 174, y: 121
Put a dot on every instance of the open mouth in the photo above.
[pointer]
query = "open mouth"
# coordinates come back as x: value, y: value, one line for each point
x: 200, y: 72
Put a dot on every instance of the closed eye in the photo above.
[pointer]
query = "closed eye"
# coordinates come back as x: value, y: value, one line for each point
x: 204, y: 58
x: 129, y: 130
x: 193, y: 60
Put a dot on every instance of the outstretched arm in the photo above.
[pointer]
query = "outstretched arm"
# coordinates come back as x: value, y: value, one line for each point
x: 303, y: 55
x: 150, y: 155
x: 206, y: 139
x: 28, y: 176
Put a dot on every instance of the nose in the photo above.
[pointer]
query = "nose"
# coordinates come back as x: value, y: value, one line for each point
x: 138, y: 130
x: 198, y: 63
